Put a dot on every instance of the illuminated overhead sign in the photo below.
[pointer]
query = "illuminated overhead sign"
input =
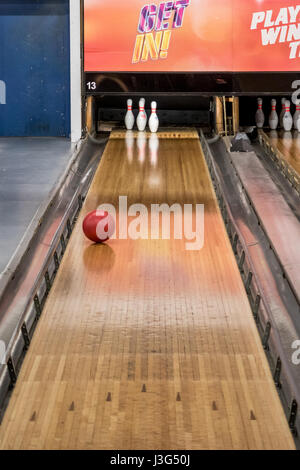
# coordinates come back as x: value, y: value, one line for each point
x: 191, y: 36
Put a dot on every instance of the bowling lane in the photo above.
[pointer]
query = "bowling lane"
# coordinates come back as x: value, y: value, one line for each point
x: 288, y: 144
x: 143, y: 344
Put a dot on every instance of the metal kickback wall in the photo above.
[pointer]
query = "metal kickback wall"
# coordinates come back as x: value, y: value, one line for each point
x: 34, y: 68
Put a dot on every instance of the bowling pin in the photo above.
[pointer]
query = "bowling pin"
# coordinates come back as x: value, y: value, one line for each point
x: 129, y: 118
x: 259, y: 116
x: 153, y: 121
x: 141, y: 120
x: 273, y: 119
x: 283, y: 100
x: 287, y: 120
x: 296, y: 116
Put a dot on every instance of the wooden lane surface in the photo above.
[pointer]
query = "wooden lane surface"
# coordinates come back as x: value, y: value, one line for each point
x: 288, y: 144
x: 143, y: 344
x: 165, y: 133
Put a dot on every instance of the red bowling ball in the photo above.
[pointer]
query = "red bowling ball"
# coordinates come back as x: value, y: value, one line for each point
x: 98, y: 226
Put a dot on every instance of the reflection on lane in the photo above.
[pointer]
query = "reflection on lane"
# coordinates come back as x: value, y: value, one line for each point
x: 141, y: 144
x: 129, y: 140
x: 153, y: 147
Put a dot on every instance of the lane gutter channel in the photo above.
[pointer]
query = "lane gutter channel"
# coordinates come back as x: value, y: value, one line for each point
x: 255, y: 298
x: 23, y: 333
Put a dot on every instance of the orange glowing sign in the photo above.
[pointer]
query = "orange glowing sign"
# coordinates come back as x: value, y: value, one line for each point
x: 191, y: 35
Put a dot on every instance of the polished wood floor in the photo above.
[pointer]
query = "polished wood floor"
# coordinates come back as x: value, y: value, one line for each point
x: 288, y: 144
x: 143, y: 344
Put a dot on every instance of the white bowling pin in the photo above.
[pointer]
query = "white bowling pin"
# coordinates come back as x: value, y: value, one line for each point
x: 273, y: 119
x: 153, y: 121
x: 129, y: 118
x: 296, y: 116
x: 141, y: 120
x: 259, y: 116
x: 283, y: 100
x: 287, y: 119
x: 153, y: 147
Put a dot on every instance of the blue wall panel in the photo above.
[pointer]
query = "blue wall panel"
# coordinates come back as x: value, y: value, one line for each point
x: 34, y: 65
